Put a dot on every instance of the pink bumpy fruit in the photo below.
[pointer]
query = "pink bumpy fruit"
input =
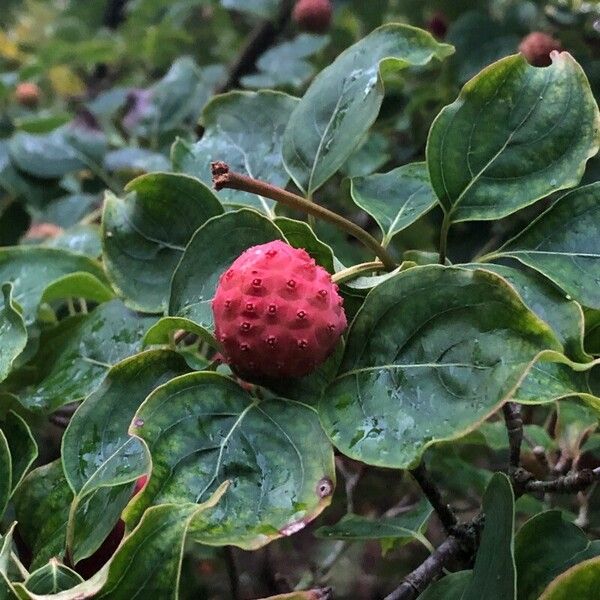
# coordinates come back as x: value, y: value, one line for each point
x: 536, y: 48
x: 277, y: 314
x: 313, y: 15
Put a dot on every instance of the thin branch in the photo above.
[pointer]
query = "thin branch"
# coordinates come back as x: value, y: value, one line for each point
x: 514, y: 427
x: 443, y: 510
x: 567, y: 484
x: 459, y: 546
x: 261, y: 38
x: 444, y: 239
x: 357, y: 271
x: 223, y: 178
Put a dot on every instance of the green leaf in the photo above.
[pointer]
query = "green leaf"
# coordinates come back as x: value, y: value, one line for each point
x: 96, y: 448
x: 450, y: 587
x: 83, y: 239
x: 398, y: 530
x: 160, y: 333
x: 6, y: 486
x: 145, y: 234
x: 546, y: 546
x: 580, y: 581
x: 300, y: 235
x: 494, y: 574
x: 45, y: 156
x: 75, y: 356
x: 292, y: 54
x: 13, y: 334
x: 563, y: 315
x: 371, y: 154
x: 62, y: 151
x: 31, y: 269
x: 42, y: 507
x: 515, y: 134
x: 343, y: 101
x: 135, y: 160
x: 149, y: 559
x: 554, y: 377
x: 251, y: 146
x: 274, y: 452
x: 432, y: 352
x: 562, y: 244
x: 395, y: 199
x: 52, y: 579
x: 210, y: 252
x: 22, y: 446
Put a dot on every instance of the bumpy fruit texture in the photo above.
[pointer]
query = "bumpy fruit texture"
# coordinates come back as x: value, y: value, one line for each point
x: 536, y: 48
x: 313, y: 15
x: 277, y: 313
x: 27, y: 94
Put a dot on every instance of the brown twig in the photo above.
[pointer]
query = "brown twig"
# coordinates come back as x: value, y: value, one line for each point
x: 459, y: 546
x: 261, y: 38
x: 433, y: 494
x: 567, y: 484
x: 224, y: 178
x: 514, y: 427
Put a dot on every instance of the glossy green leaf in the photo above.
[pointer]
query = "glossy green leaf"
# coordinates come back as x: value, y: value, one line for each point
x: 592, y: 331
x: 13, y: 334
x: 494, y: 573
x: 32, y: 269
x: 136, y: 160
x: 293, y: 55
x: 563, y: 315
x: 146, y: 232
x: 515, y: 134
x: 555, y: 377
x: 22, y: 446
x: 42, y: 505
x: 369, y: 156
x: 149, y: 559
x: 96, y: 448
x: 546, y: 546
x: 562, y: 244
x: 161, y: 332
x: 52, y: 578
x: 581, y: 581
x: 432, y: 352
x: 450, y: 587
x: 75, y: 356
x: 45, y: 156
x: 300, y: 235
x: 395, y: 199
x: 203, y: 429
x: 83, y: 239
x: 6, y: 486
x: 343, y: 101
x: 389, y: 530
x: 6, y: 548
x: 210, y: 252
x: 251, y: 146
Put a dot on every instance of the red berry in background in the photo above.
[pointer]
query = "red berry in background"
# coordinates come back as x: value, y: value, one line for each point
x: 277, y: 313
x: 438, y: 25
x: 27, y: 94
x: 313, y: 15
x: 536, y: 48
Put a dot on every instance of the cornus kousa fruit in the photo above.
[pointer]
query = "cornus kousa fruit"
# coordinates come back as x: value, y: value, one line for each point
x: 313, y: 15
x: 277, y: 313
x: 536, y: 48
x: 27, y: 94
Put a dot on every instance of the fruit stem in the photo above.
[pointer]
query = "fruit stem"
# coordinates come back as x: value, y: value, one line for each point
x: 357, y: 270
x: 223, y: 178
